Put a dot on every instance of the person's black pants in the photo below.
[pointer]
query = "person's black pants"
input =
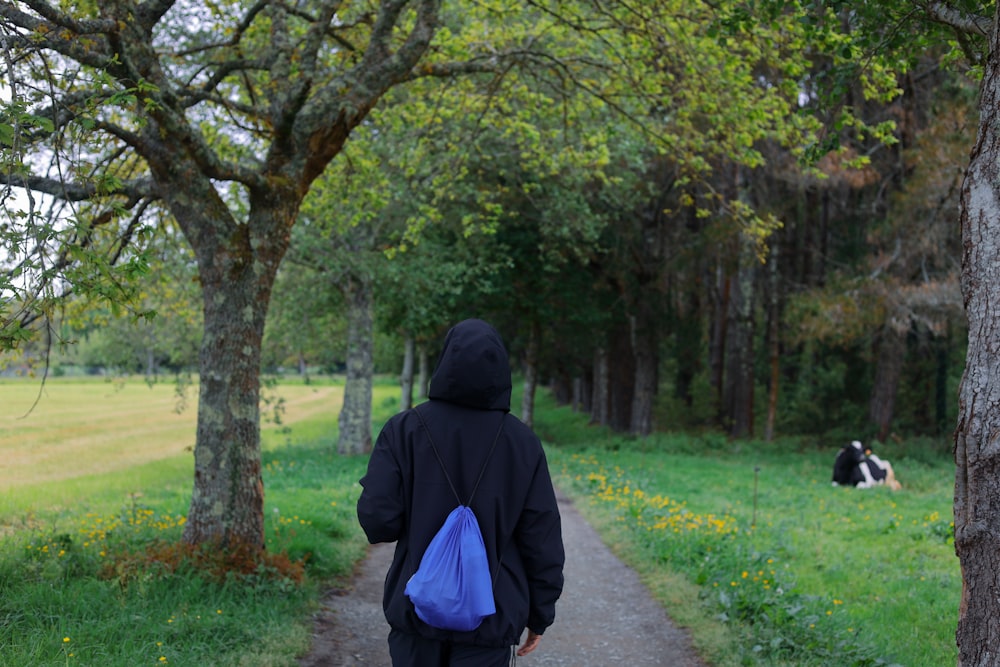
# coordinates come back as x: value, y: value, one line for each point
x: 415, y: 651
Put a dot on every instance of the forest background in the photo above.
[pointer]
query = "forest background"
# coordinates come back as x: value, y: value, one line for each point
x: 757, y: 286
x: 737, y: 217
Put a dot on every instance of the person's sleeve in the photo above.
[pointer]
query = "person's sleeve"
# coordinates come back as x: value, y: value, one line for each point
x: 381, y: 510
x: 539, y: 540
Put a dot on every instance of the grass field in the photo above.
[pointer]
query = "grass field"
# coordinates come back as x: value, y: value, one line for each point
x: 751, y: 546
x: 746, y: 544
x: 99, y: 472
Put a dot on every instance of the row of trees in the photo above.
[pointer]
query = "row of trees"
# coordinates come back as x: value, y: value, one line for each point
x: 711, y: 199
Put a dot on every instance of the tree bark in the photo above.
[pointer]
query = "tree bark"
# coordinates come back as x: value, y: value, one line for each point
x: 686, y: 326
x: 530, y: 374
x: 773, y: 343
x: 600, y: 401
x: 355, y: 419
x: 977, y: 436
x: 295, y: 120
x: 717, y: 337
x: 621, y: 380
x: 739, y: 378
x: 942, y: 397
x: 647, y: 360
x: 406, y: 377
x: 423, y: 373
x: 237, y: 265
x: 890, y: 352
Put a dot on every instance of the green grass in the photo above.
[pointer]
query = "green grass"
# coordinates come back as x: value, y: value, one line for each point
x: 798, y: 573
x: 69, y: 593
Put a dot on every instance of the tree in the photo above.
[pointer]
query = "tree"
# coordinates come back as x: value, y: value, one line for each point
x: 977, y: 459
x: 141, y: 91
x: 224, y: 115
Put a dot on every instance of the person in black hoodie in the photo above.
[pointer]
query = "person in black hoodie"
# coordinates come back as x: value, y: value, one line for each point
x: 406, y: 498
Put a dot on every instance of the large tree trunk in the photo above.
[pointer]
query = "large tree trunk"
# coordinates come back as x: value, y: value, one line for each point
x: 977, y: 436
x: 237, y: 264
x: 356, y: 414
x: 406, y: 377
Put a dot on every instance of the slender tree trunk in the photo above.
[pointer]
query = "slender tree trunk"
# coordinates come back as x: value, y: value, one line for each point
x: 355, y: 419
x: 773, y: 342
x: 686, y: 325
x: 424, y: 370
x: 647, y: 360
x: 587, y: 390
x: 600, y: 403
x: 530, y: 374
x: 406, y: 377
x: 621, y: 380
x: 739, y: 379
x: 942, y: 397
x: 717, y: 337
x: 576, y: 401
x: 890, y: 352
x: 561, y: 387
x: 977, y: 452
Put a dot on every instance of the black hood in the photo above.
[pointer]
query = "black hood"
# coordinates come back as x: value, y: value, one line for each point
x: 474, y: 369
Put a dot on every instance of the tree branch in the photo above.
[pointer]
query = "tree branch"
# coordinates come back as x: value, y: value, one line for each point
x: 80, y: 27
x: 966, y: 22
x: 62, y: 39
x: 134, y: 189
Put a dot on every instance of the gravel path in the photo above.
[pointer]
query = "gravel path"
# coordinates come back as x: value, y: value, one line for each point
x: 604, y: 617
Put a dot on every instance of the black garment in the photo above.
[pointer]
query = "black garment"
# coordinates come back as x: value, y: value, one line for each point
x: 846, y: 470
x: 408, y: 650
x: 406, y: 497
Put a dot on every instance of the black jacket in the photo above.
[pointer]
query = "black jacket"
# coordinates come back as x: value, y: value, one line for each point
x: 406, y: 496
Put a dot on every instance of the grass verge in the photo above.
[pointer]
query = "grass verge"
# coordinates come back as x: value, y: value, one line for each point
x: 750, y: 547
x: 89, y: 573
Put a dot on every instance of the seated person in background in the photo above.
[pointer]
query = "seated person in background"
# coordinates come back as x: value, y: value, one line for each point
x: 847, y: 466
x: 859, y: 467
x: 879, y: 471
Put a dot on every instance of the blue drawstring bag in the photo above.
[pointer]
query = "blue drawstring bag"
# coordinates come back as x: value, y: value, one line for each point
x: 452, y: 589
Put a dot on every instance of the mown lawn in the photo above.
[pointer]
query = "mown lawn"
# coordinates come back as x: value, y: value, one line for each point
x: 747, y: 544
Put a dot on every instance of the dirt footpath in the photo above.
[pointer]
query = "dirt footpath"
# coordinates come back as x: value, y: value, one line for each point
x: 604, y: 617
